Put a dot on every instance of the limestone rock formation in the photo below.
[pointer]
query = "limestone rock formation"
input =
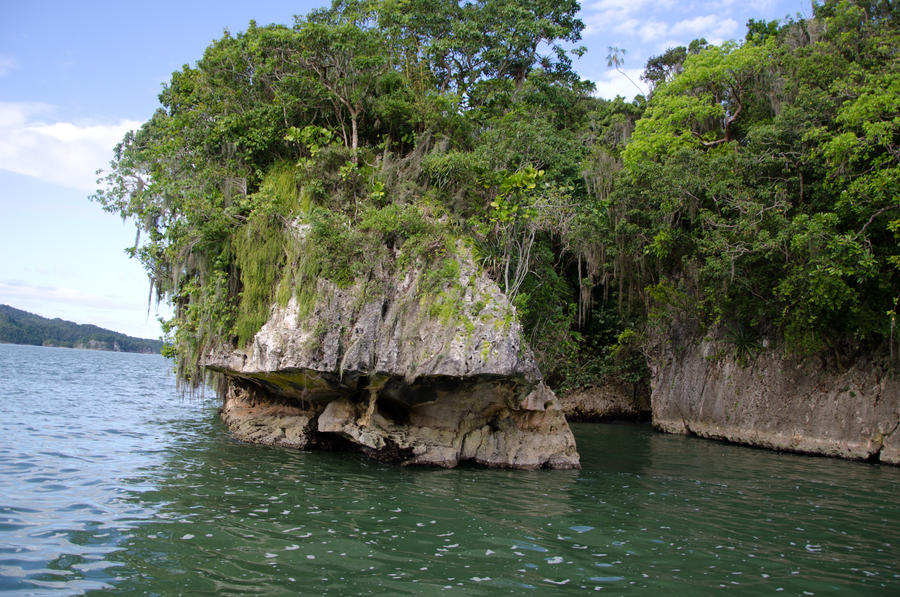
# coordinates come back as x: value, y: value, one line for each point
x: 798, y: 405
x: 611, y: 401
x: 400, y: 375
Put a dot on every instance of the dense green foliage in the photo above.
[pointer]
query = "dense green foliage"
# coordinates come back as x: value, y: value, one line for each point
x: 764, y: 182
x: 755, y: 191
x: 21, y: 327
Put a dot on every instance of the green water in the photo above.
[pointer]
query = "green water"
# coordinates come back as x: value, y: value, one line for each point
x: 114, y: 484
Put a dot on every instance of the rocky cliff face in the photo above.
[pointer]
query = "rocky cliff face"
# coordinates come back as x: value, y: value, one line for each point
x: 399, y: 375
x: 607, y: 402
x: 780, y: 403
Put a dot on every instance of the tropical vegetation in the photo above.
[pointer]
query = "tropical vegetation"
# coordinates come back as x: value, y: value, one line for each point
x: 753, y: 193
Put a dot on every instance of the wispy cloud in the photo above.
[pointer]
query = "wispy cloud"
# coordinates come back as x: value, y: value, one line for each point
x: 7, y: 64
x: 646, y: 27
x: 647, y: 30
x: 613, y: 83
x: 714, y: 28
x: 20, y: 291
x: 110, y: 312
x: 602, y: 16
x: 63, y: 153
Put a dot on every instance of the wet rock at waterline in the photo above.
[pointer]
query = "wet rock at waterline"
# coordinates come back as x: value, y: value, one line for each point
x: 399, y: 375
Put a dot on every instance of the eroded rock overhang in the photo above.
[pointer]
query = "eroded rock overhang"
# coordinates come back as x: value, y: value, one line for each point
x: 490, y: 420
x: 402, y: 376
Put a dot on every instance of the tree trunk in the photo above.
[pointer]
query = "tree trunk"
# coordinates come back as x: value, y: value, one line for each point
x: 354, y: 138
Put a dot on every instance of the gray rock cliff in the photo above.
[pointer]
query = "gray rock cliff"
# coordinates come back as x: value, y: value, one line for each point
x: 399, y: 375
x: 612, y: 401
x: 798, y: 405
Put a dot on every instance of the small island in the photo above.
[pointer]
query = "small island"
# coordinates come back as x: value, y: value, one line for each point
x: 356, y: 216
x: 22, y: 327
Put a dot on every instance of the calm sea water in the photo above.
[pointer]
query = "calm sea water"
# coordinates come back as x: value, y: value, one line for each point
x: 109, y: 481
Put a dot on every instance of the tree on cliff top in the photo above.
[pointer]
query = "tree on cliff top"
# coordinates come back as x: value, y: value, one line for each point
x: 763, y: 182
x: 754, y: 192
x: 244, y: 146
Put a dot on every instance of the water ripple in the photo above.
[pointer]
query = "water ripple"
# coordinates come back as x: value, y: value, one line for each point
x: 110, y: 481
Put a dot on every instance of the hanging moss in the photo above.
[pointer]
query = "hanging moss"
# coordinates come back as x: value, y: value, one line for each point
x: 260, y: 248
x: 260, y: 257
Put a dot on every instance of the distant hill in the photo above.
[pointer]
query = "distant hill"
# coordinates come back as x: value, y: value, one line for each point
x: 21, y: 327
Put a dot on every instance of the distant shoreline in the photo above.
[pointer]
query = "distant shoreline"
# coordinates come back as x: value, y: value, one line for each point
x: 4, y: 343
x: 24, y: 328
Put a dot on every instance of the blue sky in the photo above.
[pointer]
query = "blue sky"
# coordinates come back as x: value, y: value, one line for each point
x: 74, y: 77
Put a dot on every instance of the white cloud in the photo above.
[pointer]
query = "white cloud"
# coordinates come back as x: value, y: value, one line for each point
x: 623, y: 6
x: 18, y: 290
x: 7, y: 64
x: 758, y: 5
x: 653, y: 30
x: 713, y: 28
x: 63, y: 153
x: 115, y: 313
x: 627, y: 27
x: 695, y: 25
x: 613, y: 83
x: 646, y: 30
x: 663, y: 47
x: 603, y: 15
x: 636, y: 23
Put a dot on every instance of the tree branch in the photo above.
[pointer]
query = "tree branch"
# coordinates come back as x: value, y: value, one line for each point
x: 875, y: 215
